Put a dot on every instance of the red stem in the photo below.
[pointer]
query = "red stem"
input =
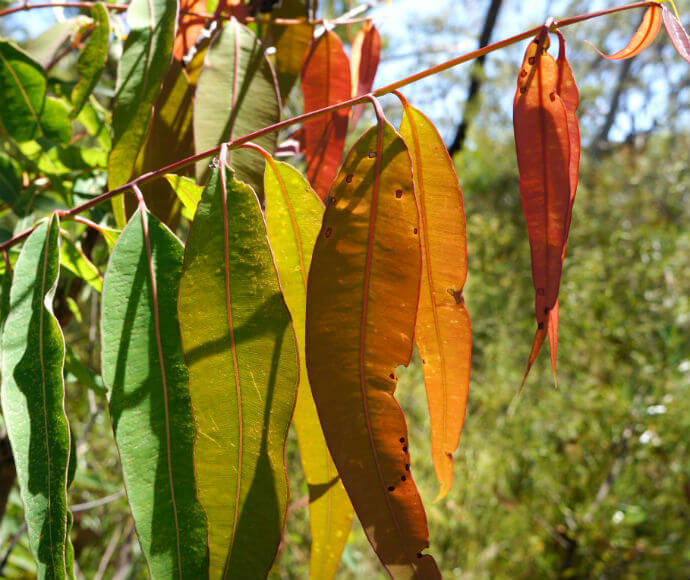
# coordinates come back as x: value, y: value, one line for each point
x: 331, y: 108
x: 27, y: 6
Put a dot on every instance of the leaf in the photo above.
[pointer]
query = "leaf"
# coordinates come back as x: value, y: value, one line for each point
x: 293, y: 220
x: 643, y: 37
x: 567, y: 89
x: 187, y: 191
x: 542, y: 141
x: 190, y: 27
x: 92, y: 59
x: 364, y: 60
x: 26, y: 112
x: 443, y: 333
x: 33, y: 392
x: 243, y: 370
x: 10, y: 182
x: 291, y: 42
x: 325, y: 81
x: 145, y: 59
x: 237, y: 95
x: 361, y: 307
x: 147, y: 382
x: 82, y: 373
x: 170, y: 139
x: 676, y: 32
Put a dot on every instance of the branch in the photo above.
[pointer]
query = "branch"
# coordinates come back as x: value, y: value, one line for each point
x: 27, y: 6
x: 552, y: 26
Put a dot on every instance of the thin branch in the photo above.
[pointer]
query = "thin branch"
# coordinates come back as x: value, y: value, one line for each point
x: 553, y: 26
x: 82, y: 507
x: 27, y: 6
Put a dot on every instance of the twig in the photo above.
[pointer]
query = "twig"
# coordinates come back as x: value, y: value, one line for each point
x: 13, y: 544
x: 27, y: 6
x: 108, y: 554
x: 330, y: 109
x: 82, y: 507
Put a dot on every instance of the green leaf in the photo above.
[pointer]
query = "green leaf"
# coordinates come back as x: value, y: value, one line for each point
x: 33, y: 352
x: 229, y: 106
x: 145, y: 59
x: 10, y: 182
x: 187, y: 191
x: 92, y: 59
x: 240, y: 349
x: 146, y: 378
x: 26, y: 112
x: 72, y: 258
x: 293, y: 220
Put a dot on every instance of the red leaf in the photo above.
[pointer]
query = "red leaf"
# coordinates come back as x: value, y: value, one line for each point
x: 364, y: 60
x: 543, y: 147
x: 676, y: 32
x: 325, y: 81
x: 643, y: 37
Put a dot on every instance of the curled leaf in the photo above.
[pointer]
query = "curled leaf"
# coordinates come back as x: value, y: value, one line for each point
x: 442, y: 333
x: 676, y: 32
x: 542, y: 141
x: 361, y: 307
x: 325, y: 81
x: 643, y: 37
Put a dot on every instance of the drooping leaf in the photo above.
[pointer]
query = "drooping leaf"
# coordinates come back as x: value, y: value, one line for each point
x: 190, y: 27
x: 325, y: 81
x: 145, y: 59
x: 443, y: 333
x: 92, y: 59
x: 240, y: 349
x: 361, y: 308
x: 170, y: 139
x: 73, y: 258
x: 543, y: 148
x: 187, y: 191
x: 364, y: 61
x: 567, y: 89
x: 236, y: 95
x: 33, y: 352
x: 677, y: 33
x: 291, y: 42
x: 643, y: 37
x: 293, y: 220
x: 26, y: 112
x: 148, y: 392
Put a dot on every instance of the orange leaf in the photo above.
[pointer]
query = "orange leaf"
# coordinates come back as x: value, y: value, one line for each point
x: 442, y: 333
x: 544, y: 159
x: 643, y: 37
x: 567, y: 89
x: 189, y: 27
x: 364, y: 60
x: 361, y: 307
x: 677, y: 34
x: 325, y: 81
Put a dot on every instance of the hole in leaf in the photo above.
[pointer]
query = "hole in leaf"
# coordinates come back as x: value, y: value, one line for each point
x: 392, y: 376
x: 403, y: 478
x: 532, y: 60
x: 407, y: 467
x: 348, y: 178
x: 402, y: 440
x: 372, y: 154
x: 399, y: 193
x: 552, y: 96
x: 328, y: 232
x: 415, y: 230
x: 420, y: 555
x: 391, y: 487
x: 405, y: 448
x: 523, y: 73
